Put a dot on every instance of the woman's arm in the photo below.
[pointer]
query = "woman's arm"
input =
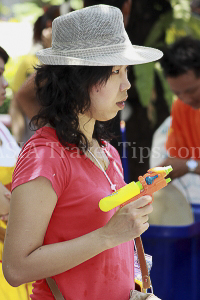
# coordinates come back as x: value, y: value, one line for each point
x: 32, y: 204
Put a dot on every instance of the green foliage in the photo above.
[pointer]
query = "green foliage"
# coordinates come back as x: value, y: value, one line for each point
x: 194, y: 26
x: 31, y: 10
x: 144, y: 81
x: 181, y: 9
x: 53, y: 2
x: 168, y: 95
x: 27, y: 11
x: 158, y: 29
x: 4, y: 10
x: 5, y: 107
x: 76, y: 4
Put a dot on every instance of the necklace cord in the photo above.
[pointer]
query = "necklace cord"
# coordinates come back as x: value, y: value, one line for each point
x: 112, y: 185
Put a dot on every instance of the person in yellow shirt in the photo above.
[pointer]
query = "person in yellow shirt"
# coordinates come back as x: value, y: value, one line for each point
x: 19, y: 121
x: 9, y: 151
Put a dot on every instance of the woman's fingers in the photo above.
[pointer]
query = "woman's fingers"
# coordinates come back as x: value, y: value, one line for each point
x: 141, y: 206
x: 128, y: 222
x: 145, y: 219
x: 141, y: 202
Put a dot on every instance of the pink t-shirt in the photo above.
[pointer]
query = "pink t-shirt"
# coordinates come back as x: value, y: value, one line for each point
x: 79, y: 185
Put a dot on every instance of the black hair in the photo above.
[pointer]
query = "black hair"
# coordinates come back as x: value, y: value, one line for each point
x: 4, y: 55
x: 116, y: 3
x: 50, y: 14
x: 63, y: 93
x: 182, y: 56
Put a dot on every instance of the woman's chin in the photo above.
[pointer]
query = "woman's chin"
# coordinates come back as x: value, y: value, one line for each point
x: 107, y: 118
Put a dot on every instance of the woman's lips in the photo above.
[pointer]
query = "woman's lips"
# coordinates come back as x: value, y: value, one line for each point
x: 121, y: 104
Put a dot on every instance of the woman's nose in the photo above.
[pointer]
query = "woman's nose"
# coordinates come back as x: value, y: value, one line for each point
x: 125, y: 85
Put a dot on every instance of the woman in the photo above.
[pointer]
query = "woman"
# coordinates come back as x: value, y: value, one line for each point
x: 9, y: 151
x: 56, y: 228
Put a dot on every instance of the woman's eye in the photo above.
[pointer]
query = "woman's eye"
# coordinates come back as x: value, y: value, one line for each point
x: 116, y: 72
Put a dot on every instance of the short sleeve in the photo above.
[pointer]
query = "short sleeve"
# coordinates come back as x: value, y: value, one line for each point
x: 45, y: 161
x: 175, y: 138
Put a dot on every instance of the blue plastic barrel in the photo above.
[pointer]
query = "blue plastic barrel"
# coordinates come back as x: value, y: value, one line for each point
x: 196, y: 212
x: 176, y: 260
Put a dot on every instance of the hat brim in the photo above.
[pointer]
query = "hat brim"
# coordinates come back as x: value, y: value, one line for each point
x: 126, y: 55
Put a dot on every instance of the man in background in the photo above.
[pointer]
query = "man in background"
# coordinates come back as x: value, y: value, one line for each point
x: 178, y: 138
x: 181, y: 66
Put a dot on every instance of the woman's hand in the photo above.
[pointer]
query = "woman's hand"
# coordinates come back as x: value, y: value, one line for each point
x: 128, y: 222
x: 4, y: 202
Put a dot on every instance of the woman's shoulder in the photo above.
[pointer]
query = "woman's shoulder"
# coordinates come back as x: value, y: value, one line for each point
x: 42, y: 156
x: 43, y: 144
x: 45, y: 136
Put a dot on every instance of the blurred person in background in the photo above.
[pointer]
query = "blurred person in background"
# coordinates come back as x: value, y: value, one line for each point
x: 41, y: 38
x: 181, y: 146
x: 181, y: 66
x: 9, y: 151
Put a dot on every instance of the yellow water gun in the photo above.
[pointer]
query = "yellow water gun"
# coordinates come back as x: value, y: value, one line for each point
x: 148, y: 184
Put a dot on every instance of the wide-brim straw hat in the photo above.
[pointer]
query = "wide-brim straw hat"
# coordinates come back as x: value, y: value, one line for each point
x: 94, y: 36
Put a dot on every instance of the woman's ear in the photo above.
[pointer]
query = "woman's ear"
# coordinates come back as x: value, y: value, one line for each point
x: 126, y: 10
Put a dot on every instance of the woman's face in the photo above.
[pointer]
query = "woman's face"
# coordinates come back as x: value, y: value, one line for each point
x: 109, y: 98
x: 3, y: 83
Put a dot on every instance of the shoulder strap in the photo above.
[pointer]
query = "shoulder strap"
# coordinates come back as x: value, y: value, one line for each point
x: 146, y: 281
x: 54, y: 289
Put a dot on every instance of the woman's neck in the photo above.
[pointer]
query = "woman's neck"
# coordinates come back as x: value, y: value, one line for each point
x: 86, y: 126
